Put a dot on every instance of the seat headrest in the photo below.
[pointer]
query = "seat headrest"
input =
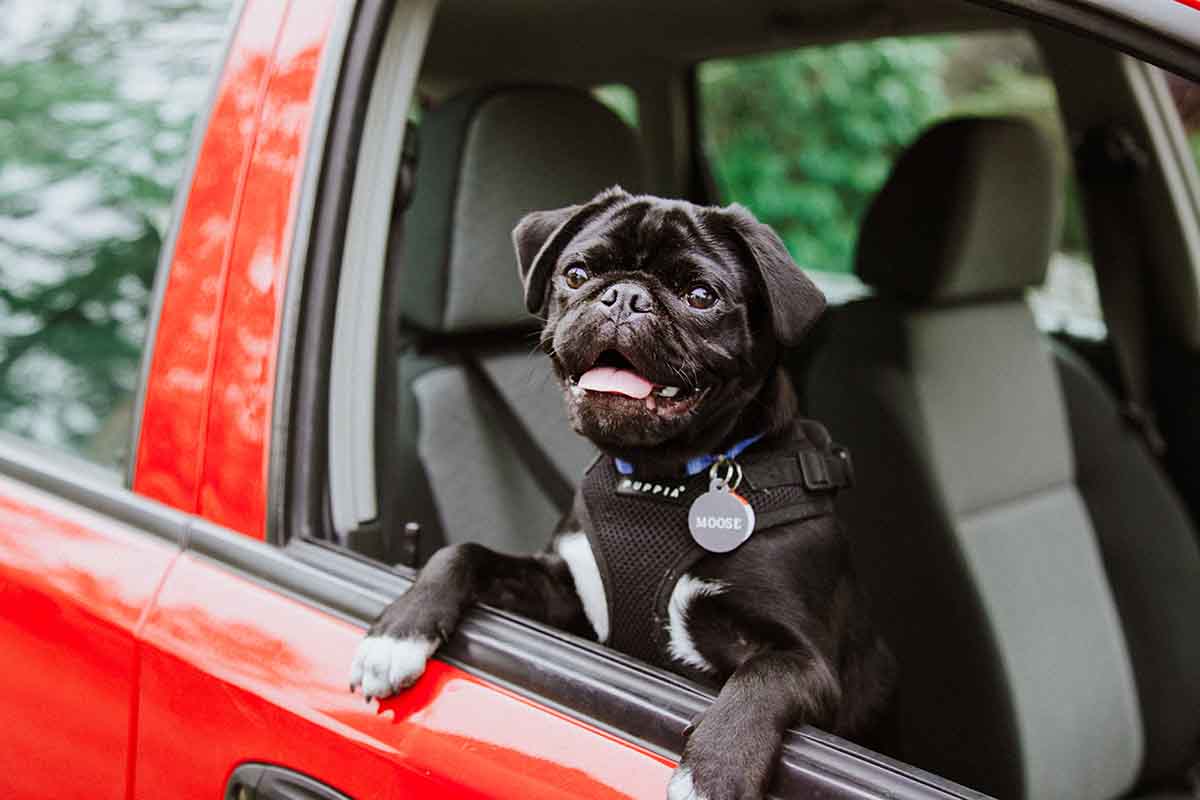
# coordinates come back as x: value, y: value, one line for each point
x: 971, y: 209
x: 486, y: 159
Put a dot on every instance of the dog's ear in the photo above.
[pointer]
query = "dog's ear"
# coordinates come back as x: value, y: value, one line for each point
x: 540, y: 237
x: 794, y: 301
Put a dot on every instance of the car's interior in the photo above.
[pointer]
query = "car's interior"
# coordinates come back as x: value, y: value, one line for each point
x: 1032, y: 559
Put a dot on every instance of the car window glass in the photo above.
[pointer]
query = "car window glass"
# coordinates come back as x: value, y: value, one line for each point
x: 1186, y: 96
x: 621, y: 99
x: 805, y: 138
x: 96, y: 104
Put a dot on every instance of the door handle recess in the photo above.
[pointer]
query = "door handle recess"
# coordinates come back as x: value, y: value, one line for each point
x: 268, y: 782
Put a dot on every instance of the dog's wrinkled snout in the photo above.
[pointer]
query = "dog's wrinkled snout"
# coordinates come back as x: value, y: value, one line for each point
x: 626, y: 299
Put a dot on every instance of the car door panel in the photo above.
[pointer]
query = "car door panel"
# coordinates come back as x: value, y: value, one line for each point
x: 183, y: 338
x: 255, y: 675
x: 74, y: 585
x: 232, y: 490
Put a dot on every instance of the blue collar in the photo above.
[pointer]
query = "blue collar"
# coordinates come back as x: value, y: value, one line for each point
x: 698, y: 464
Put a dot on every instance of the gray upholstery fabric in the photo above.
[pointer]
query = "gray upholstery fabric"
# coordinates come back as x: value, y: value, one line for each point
x: 971, y: 209
x: 1015, y: 676
x: 1031, y: 566
x: 954, y: 713
x: 1153, y: 562
x: 982, y: 375
x: 486, y: 159
x: 1037, y: 566
x: 482, y: 490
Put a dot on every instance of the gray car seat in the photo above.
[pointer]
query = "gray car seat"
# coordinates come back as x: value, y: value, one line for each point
x: 486, y: 159
x: 1030, y: 565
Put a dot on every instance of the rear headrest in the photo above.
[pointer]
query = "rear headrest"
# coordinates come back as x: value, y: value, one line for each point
x: 971, y: 209
x: 486, y: 159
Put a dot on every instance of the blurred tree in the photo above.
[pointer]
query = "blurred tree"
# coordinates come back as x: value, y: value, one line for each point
x: 806, y: 138
x: 96, y: 104
x: 1186, y: 95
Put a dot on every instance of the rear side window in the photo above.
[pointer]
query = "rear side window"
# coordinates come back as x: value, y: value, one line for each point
x: 1186, y: 95
x: 805, y: 138
x: 621, y: 99
x: 97, y: 102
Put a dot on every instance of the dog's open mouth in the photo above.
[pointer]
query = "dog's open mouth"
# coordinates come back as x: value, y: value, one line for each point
x: 612, y: 374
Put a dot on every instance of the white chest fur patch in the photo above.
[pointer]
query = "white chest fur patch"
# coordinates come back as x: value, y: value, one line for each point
x: 681, y: 645
x: 574, y: 549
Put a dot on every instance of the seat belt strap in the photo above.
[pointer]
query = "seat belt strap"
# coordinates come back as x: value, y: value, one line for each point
x: 1110, y: 163
x: 414, y: 528
x: 557, y: 489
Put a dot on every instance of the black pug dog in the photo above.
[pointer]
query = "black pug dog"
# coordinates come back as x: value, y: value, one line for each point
x: 703, y: 540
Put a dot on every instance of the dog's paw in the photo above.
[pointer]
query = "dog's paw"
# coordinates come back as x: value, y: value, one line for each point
x: 682, y: 787
x: 714, y: 768
x: 708, y: 782
x: 384, y: 665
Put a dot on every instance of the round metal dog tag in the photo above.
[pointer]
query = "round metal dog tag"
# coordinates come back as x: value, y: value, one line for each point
x: 720, y: 520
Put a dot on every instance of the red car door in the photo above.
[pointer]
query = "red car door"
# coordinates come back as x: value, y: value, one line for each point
x: 236, y: 670
x: 94, y: 135
x: 76, y: 582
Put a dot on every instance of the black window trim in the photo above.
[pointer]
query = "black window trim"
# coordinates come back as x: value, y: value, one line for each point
x: 75, y: 480
x: 298, y: 499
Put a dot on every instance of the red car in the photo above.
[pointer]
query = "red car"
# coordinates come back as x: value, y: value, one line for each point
x: 301, y: 423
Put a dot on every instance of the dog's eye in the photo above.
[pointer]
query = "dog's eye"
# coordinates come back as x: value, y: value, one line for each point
x: 700, y: 296
x: 576, y: 276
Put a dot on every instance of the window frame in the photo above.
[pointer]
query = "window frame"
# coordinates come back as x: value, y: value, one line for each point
x: 583, y: 679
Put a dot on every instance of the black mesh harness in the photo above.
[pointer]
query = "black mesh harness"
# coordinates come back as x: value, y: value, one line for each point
x: 638, y: 528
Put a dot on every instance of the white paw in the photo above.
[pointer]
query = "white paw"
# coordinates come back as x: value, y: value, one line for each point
x: 681, y: 786
x: 384, y: 665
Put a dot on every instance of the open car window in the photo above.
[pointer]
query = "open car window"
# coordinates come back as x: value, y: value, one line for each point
x: 444, y: 469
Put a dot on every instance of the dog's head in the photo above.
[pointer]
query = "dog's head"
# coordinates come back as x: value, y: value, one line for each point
x: 663, y: 318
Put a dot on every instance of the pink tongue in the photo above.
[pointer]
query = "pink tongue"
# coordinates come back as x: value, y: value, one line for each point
x: 615, y: 381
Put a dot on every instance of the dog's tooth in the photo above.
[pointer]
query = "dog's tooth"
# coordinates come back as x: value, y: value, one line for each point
x: 668, y: 391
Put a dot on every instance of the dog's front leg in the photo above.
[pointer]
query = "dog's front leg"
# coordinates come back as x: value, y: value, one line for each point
x: 410, y: 629
x: 732, y: 751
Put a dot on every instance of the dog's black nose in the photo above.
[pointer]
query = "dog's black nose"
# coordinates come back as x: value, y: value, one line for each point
x: 628, y: 297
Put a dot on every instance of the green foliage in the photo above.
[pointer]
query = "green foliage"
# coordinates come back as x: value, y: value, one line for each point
x: 806, y: 138
x: 95, y: 113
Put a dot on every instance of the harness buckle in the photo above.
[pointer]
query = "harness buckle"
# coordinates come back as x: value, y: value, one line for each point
x: 824, y: 471
x: 817, y: 476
